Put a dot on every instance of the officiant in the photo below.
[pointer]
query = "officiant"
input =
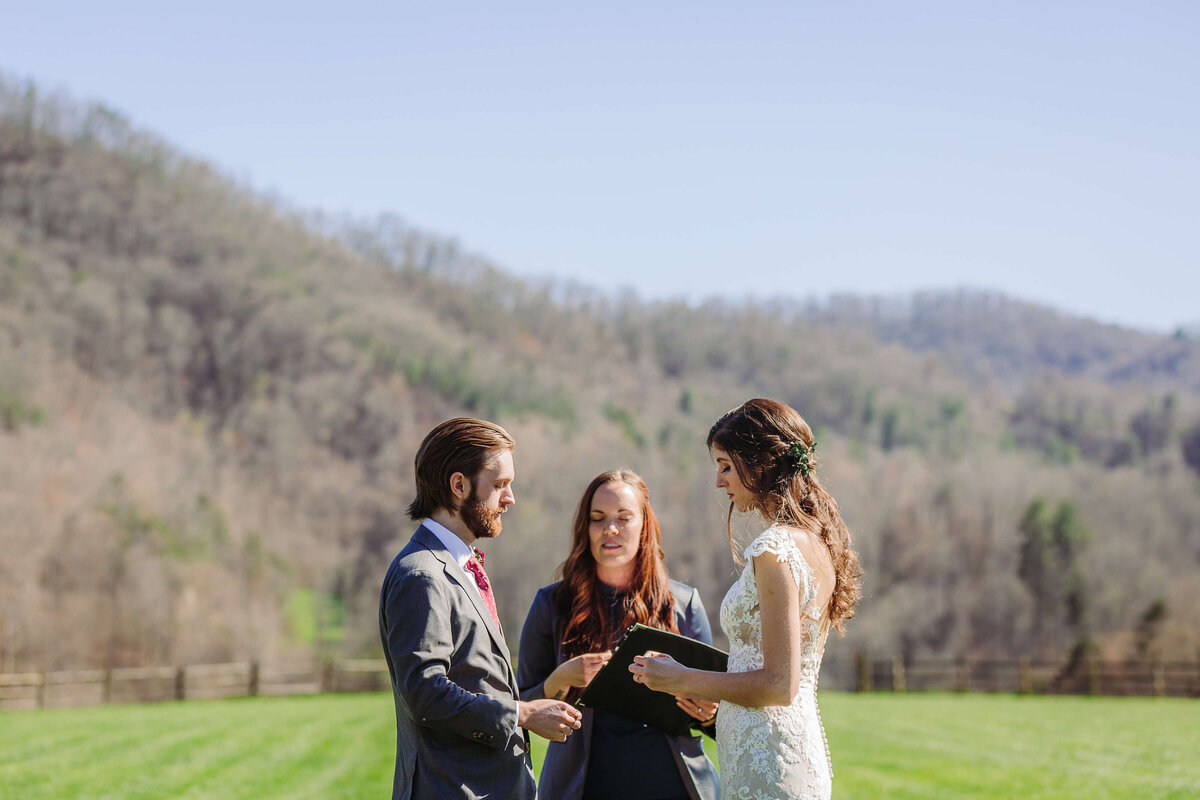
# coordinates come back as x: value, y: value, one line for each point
x: 614, y: 577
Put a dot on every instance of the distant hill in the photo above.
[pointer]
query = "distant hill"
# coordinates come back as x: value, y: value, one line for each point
x: 1011, y: 341
x: 209, y: 406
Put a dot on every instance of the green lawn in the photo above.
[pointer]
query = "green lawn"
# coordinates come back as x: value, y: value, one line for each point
x: 924, y: 746
x: 933, y: 746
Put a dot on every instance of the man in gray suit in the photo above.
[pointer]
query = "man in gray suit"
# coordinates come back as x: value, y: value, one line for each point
x: 458, y: 719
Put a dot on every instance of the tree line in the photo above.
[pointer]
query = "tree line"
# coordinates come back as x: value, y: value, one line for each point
x: 209, y: 404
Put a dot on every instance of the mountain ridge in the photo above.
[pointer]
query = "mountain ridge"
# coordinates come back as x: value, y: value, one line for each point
x: 210, y: 405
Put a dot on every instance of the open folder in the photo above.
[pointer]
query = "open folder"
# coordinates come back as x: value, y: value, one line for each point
x: 613, y: 689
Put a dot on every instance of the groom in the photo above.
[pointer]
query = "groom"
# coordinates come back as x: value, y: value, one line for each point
x: 457, y: 713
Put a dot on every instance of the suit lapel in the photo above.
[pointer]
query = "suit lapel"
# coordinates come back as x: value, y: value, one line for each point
x: 466, y: 580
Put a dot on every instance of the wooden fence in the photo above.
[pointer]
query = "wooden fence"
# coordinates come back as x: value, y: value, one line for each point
x: 1022, y: 676
x: 208, y: 681
x: 196, y: 682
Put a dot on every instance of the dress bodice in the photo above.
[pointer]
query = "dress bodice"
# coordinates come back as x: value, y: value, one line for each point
x: 742, y: 621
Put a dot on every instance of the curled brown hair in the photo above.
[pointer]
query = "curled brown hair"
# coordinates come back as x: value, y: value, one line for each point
x: 463, y: 445
x: 761, y: 439
x: 579, y: 599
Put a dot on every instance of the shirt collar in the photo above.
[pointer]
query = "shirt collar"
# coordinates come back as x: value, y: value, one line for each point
x: 457, y: 547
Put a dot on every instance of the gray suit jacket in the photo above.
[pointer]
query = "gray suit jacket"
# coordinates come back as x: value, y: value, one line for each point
x: 452, y: 681
x: 565, y: 767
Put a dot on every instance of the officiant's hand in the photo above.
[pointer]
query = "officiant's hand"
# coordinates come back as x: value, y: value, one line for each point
x: 701, y: 708
x: 577, y: 671
x: 659, y: 672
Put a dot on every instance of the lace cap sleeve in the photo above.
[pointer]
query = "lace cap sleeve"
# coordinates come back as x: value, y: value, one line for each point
x: 779, y: 542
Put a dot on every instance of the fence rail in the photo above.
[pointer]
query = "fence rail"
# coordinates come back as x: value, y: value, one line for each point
x: 1023, y: 676
x: 241, y: 679
x: 192, y: 682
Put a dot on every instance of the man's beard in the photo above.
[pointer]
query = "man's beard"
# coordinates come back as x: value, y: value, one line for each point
x: 482, y: 524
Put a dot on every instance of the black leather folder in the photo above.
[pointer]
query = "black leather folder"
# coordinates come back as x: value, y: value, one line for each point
x: 613, y: 688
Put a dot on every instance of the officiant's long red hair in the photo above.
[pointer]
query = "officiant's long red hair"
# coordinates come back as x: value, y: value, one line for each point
x: 579, y: 598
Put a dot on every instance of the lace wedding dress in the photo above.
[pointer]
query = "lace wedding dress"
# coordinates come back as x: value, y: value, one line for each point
x: 778, y: 751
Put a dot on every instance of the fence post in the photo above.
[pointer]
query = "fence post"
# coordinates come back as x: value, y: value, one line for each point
x: 41, y: 690
x: 106, y: 691
x: 327, y: 677
x: 863, y: 668
x: 1093, y: 674
x: 1160, y: 678
x: 898, y: 682
x: 181, y: 683
x: 253, y: 679
x: 1026, y: 672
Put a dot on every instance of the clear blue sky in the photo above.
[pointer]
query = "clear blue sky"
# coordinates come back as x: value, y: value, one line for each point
x: 1048, y: 150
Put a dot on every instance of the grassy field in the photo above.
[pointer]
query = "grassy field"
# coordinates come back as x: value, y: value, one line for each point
x: 924, y: 746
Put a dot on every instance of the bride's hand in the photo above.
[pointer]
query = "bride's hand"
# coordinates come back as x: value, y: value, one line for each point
x: 658, y: 671
x: 701, y: 708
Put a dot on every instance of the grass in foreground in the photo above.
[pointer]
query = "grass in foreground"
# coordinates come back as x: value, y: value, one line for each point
x: 934, y: 746
x: 925, y: 746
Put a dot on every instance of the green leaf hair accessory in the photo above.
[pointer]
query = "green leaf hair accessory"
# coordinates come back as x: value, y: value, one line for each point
x: 800, y: 457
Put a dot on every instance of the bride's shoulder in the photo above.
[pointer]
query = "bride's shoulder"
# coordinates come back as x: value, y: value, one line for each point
x: 783, y: 532
x: 783, y: 539
x: 775, y: 539
x: 812, y: 550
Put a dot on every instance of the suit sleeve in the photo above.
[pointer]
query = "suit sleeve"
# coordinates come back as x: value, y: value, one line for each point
x: 696, y: 619
x: 538, y: 654
x: 420, y: 644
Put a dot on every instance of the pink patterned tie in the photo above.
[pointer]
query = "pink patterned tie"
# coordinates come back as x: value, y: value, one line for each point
x: 485, y: 586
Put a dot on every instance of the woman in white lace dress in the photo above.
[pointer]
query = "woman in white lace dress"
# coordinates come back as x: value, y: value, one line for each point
x: 801, y: 579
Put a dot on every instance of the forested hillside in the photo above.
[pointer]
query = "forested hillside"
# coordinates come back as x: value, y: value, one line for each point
x: 209, y: 405
x: 998, y: 338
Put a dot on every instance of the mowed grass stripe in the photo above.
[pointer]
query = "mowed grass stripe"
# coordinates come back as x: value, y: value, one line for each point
x: 222, y: 763
x: 950, y: 746
x: 140, y: 751
x: 926, y: 746
x: 236, y: 748
x: 204, y: 743
x: 315, y: 750
x: 326, y: 756
x: 111, y: 741
x: 355, y: 767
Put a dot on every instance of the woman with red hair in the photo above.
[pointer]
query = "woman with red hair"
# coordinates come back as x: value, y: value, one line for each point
x: 613, y: 578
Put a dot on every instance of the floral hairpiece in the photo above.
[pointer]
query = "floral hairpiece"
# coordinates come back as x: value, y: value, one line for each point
x: 801, y: 457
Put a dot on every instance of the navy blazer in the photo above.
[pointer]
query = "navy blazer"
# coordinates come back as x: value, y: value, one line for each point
x: 565, y: 767
x: 452, y: 681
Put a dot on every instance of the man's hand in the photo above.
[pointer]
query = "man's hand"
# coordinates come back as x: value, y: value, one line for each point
x: 549, y: 719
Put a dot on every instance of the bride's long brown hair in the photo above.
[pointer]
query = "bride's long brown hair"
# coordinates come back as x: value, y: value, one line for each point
x: 579, y: 599
x: 760, y: 437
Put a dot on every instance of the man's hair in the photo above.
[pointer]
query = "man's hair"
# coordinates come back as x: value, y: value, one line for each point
x: 463, y: 445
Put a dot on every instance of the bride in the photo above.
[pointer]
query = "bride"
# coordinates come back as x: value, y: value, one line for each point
x: 802, y: 578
